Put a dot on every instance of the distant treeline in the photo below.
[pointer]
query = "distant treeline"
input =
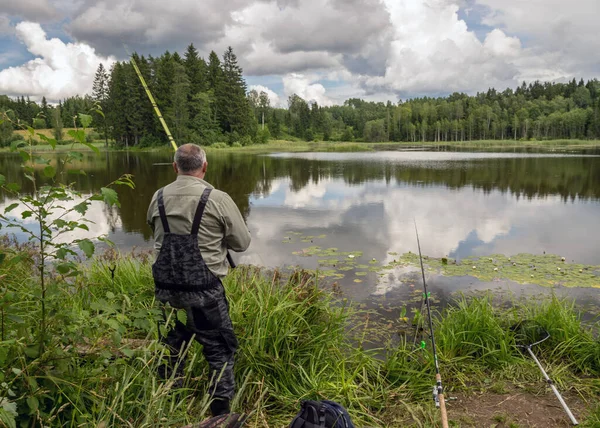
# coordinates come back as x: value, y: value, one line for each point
x: 207, y: 102
x: 534, y: 111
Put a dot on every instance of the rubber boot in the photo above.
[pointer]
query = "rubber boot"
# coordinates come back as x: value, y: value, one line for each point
x: 219, y: 406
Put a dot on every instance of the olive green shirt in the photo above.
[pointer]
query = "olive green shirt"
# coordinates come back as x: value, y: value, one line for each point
x: 222, y: 224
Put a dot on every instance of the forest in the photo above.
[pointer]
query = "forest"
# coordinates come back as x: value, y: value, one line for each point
x: 207, y: 102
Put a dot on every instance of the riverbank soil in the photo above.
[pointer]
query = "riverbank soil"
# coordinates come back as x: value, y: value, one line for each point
x: 514, y: 408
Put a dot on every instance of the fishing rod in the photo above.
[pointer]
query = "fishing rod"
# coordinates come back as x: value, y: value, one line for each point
x: 162, y: 121
x: 438, y: 391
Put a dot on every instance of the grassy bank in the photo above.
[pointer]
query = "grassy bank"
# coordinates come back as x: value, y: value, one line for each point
x: 297, y: 338
x: 338, y: 146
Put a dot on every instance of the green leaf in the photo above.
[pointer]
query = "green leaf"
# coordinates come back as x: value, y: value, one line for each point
x: 17, y: 371
x: 78, y: 136
x: 41, y: 161
x: 87, y: 247
x: 48, y: 140
x: 2, y: 180
x: 127, y: 352
x: 33, y: 404
x: 76, y: 172
x: 63, y: 268
x: 49, y: 171
x: 110, y: 196
x: 13, y: 187
x: 26, y: 214
x: 10, y: 208
x: 92, y: 147
x: 32, y: 351
x: 100, y: 112
x: 16, y: 144
x: 31, y: 131
x: 24, y: 155
x: 81, y: 208
x: 61, y: 253
x: 76, y: 155
x: 85, y: 119
x: 84, y: 227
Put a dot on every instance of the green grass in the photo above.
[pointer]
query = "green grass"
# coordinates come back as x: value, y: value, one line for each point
x: 297, y: 341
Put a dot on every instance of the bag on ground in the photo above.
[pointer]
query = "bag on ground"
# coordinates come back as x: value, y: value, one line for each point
x: 321, y: 414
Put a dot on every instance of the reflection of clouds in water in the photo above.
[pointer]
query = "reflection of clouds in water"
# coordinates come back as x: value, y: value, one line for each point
x: 377, y: 219
x: 102, y: 220
x: 308, y: 195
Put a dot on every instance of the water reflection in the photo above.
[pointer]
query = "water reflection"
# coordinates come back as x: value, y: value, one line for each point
x: 465, y: 204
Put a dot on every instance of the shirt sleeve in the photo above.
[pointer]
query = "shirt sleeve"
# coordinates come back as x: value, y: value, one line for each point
x: 237, y: 236
x: 150, y: 214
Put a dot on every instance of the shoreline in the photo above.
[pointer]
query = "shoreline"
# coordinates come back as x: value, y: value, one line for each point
x: 274, y: 146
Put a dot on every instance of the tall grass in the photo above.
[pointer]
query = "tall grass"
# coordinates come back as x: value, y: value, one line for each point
x: 294, y: 344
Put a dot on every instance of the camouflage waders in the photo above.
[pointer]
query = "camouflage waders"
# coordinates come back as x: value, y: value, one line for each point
x: 183, y: 280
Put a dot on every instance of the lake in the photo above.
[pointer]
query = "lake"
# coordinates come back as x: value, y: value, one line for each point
x: 464, y: 204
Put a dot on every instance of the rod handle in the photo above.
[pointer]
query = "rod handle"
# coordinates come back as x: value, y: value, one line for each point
x: 230, y: 260
x: 443, y: 411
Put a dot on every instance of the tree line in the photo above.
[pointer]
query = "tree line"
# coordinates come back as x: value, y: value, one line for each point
x: 207, y: 102
x: 535, y: 111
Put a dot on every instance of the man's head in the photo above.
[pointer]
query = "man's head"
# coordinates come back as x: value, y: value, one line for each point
x: 190, y: 159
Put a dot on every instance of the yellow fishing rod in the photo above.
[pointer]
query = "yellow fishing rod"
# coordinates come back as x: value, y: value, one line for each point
x: 162, y: 121
x: 153, y: 102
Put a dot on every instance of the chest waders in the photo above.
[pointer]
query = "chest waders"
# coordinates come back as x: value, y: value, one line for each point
x: 183, y: 280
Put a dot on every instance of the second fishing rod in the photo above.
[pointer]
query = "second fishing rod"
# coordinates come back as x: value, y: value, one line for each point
x: 438, y: 393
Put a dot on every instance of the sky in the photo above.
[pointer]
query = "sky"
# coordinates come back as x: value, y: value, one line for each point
x: 323, y: 50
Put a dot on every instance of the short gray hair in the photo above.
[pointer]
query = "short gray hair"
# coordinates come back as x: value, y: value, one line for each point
x: 190, y: 158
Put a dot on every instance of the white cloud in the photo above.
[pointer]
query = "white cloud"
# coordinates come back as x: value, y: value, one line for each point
x: 59, y: 70
x: 434, y: 52
x: 273, y: 97
x: 560, y: 32
x: 306, y: 88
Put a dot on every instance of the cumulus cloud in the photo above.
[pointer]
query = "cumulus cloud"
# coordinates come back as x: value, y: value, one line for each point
x: 59, y: 70
x: 435, y: 52
x: 567, y: 30
x: 306, y: 88
x: 273, y: 97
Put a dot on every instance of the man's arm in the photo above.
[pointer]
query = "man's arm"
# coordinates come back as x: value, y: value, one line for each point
x: 237, y: 236
x: 150, y: 214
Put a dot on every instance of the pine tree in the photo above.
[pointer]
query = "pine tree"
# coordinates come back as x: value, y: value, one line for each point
x: 179, y: 112
x: 235, y: 111
x: 117, y: 100
x: 100, y: 97
x: 46, y: 113
x: 195, y: 68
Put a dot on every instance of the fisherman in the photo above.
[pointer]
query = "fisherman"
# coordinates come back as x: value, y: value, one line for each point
x: 194, y: 226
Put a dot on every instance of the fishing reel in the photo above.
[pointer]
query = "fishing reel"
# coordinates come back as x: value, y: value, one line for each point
x: 436, y: 396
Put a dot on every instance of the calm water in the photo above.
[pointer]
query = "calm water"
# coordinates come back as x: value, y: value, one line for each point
x: 464, y: 203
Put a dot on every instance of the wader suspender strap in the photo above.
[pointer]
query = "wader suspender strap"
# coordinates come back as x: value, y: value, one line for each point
x: 161, y: 211
x: 200, y: 211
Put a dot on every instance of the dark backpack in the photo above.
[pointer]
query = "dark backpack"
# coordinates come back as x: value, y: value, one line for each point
x: 321, y: 414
